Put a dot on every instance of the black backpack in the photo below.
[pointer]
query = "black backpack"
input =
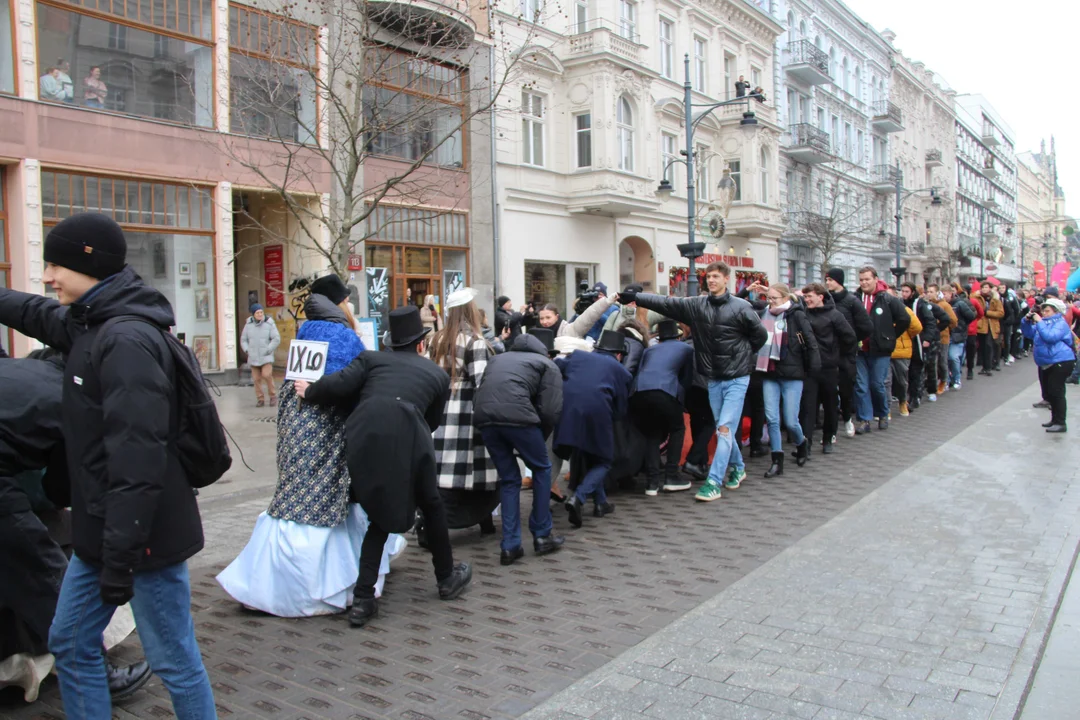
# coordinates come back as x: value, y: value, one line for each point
x: 201, y: 443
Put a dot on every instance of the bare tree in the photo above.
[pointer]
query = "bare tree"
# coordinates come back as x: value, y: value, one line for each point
x: 839, y: 222
x: 377, y: 110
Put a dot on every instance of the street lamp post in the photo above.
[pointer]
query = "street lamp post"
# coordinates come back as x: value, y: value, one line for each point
x: 692, y: 250
x: 898, y: 270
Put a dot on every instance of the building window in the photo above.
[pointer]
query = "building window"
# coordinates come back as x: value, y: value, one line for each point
x: 581, y: 15
x: 628, y: 20
x: 170, y: 233
x: 860, y: 151
x: 5, y: 258
x: 272, y: 76
x: 704, y: 184
x: 123, y: 65
x: 583, y: 139
x: 729, y: 73
x: 845, y: 76
x: 667, y: 48
x: 413, y: 110
x: 532, y: 9
x: 735, y: 168
x: 849, y: 148
x: 836, y: 132
x: 755, y: 76
x: 532, y: 128
x: 789, y: 184
x: 668, y: 155
x: 764, y: 176
x: 625, y: 124
x: 832, y: 64
x: 701, y: 49
x: 7, y: 48
x: 857, y: 90
x: 821, y: 119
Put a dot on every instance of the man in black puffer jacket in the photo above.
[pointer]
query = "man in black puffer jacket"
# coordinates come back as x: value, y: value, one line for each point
x: 855, y: 314
x: 889, y: 319
x: 837, y: 346
x: 727, y: 335
x: 516, y: 407
x: 135, y: 521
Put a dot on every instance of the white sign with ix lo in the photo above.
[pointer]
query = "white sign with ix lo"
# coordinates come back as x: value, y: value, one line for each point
x: 307, y: 360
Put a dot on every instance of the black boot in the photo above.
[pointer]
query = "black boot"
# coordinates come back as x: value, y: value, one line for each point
x: 126, y: 681
x: 802, y: 453
x: 421, y: 531
x: 487, y: 526
x: 971, y: 375
x: 363, y: 610
x: 454, y: 585
x: 573, y: 510
x: 758, y: 451
x: 777, y: 467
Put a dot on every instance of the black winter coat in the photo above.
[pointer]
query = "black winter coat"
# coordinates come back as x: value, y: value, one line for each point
x: 853, y: 311
x: 119, y: 417
x: 800, y: 356
x: 889, y: 319
x: 397, y: 400
x: 520, y: 388
x: 595, y: 390
x: 512, y: 320
x: 930, y: 332
x: 965, y: 315
x: 634, y: 350
x: 727, y: 332
x: 667, y: 366
x: 836, y: 340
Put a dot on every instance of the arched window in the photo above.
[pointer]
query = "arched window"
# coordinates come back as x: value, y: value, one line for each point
x: 802, y: 29
x: 832, y: 63
x: 790, y: 21
x: 817, y: 42
x: 625, y: 123
x: 764, y: 176
x: 858, y: 83
x: 844, y: 80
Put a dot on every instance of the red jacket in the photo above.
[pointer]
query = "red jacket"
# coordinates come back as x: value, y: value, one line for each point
x: 980, y: 311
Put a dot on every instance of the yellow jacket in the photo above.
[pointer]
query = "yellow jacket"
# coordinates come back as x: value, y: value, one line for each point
x: 946, y: 334
x: 903, y: 343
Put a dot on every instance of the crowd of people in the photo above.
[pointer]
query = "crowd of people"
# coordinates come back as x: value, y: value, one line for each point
x: 440, y: 431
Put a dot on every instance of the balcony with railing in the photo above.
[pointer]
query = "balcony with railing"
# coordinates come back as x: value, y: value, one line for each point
x: 804, y: 62
x: 887, y: 245
x: 808, y: 144
x: 604, y: 37
x: 990, y: 169
x: 991, y: 137
x: 990, y: 203
x: 885, y: 178
x: 933, y: 159
x: 887, y: 116
x: 440, y: 23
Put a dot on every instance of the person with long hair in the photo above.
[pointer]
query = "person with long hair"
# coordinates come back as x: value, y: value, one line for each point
x: 303, y: 554
x: 468, y: 480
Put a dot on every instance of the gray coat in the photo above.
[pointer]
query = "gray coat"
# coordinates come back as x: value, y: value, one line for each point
x: 259, y: 341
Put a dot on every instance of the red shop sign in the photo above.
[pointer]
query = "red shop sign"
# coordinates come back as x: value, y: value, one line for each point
x: 356, y: 262
x: 732, y: 260
x: 274, y: 275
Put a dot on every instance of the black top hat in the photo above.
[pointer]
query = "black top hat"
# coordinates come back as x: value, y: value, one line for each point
x: 546, y: 336
x: 611, y: 341
x: 406, y: 327
x: 668, y: 330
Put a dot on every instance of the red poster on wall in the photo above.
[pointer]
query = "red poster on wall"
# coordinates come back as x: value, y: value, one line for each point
x: 1040, y: 274
x: 274, y: 275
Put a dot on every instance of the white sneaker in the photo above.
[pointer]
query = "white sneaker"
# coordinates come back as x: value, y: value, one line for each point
x: 849, y: 428
x: 955, y: 386
x: 932, y: 397
x: 833, y: 441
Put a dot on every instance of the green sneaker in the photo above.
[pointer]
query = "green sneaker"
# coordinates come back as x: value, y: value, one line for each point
x: 734, y: 478
x: 709, y: 491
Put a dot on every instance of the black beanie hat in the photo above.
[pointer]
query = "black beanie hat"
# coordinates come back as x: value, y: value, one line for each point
x: 331, y: 287
x: 87, y: 243
x: 836, y: 274
x: 500, y: 301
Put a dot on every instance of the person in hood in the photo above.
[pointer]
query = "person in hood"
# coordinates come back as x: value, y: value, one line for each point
x: 889, y: 320
x: 517, y: 406
x: 395, y: 400
x: 595, y: 391
x: 1053, y: 341
x: 135, y: 521
x: 302, y: 557
x: 859, y: 320
x: 259, y: 340
x: 837, y: 344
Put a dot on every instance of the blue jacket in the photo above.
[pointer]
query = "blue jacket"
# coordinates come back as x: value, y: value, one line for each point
x: 667, y: 366
x: 1053, y: 339
x: 595, y: 390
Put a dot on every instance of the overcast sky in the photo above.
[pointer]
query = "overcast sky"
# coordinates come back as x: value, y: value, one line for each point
x: 1023, y: 59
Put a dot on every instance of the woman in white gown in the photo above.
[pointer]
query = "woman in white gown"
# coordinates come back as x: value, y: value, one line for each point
x: 304, y: 553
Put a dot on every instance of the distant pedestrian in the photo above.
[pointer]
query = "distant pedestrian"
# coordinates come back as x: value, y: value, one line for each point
x: 1054, y: 354
x: 890, y: 320
x: 259, y: 340
x: 836, y: 344
x: 965, y: 315
x: 855, y: 313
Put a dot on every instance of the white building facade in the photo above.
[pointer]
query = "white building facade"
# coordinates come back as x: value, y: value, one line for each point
x: 593, y: 121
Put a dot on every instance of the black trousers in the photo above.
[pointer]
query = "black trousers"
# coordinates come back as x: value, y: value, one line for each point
x: 702, y: 426
x: 1011, y: 336
x: 659, y: 415
x: 442, y: 557
x: 754, y: 408
x: 846, y: 387
x: 986, y: 352
x: 820, y: 389
x: 997, y: 351
x: 971, y: 351
x: 930, y: 367
x: 915, y: 376
x: 1052, y: 378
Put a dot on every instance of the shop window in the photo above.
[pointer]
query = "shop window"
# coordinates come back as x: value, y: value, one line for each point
x: 272, y: 74
x: 170, y: 242
x: 414, y: 225
x: 7, y: 47
x: 122, y: 65
x: 583, y: 139
x: 546, y: 283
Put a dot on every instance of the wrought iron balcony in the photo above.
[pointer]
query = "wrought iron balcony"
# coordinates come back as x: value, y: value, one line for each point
x: 888, y: 117
x: 442, y: 23
x: 808, y: 144
x: 806, y: 63
x: 890, y: 243
x: 884, y: 178
x: 806, y: 223
x: 933, y: 159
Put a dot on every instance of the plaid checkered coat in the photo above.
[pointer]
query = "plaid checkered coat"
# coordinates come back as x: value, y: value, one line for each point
x: 464, y: 462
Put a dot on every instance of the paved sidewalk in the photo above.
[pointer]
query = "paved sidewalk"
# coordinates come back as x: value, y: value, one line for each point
x: 1055, y: 692
x: 930, y: 598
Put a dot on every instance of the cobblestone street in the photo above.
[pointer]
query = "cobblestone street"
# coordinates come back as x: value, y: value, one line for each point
x: 798, y: 596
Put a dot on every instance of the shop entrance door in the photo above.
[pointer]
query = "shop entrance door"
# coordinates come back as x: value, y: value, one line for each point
x: 421, y: 287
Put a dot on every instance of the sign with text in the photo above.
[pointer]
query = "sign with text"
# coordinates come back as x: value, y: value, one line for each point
x: 307, y: 360
x: 733, y: 261
x: 274, y: 275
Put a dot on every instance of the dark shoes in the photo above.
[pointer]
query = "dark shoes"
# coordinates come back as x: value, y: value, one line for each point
x: 421, y: 531
x: 573, y: 510
x: 547, y: 545
x: 602, y: 509
x: 777, y: 467
x: 695, y: 471
x: 1042, y: 404
x: 1049, y: 424
x: 507, y: 557
x: 971, y: 375
x: 1056, y: 429
x: 652, y: 487
x: 863, y: 428
x: 126, y: 681
x: 802, y: 453
x: 883, y: 424
x: 758, y: 451
x: 827, y: 448
x: 363, y: 610
x: 487, y: 526
x: 454, y: 585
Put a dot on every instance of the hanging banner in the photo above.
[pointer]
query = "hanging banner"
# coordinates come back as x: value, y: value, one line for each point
x: 1040, y: 274
x: 1059, y: 276
x: 274, y: 275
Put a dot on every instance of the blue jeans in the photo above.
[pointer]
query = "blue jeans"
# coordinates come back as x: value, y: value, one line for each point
x: 870, y: 399
x: 592, y: 483
x: 791, y: 393
x: 501, y: 442
x: 162, y: 609
x: 726, y: 399
x: 956, y: 361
